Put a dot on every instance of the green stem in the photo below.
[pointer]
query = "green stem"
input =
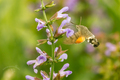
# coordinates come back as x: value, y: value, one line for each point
x: 44, y: 14
x: 52, y: 65
x: 53, y: 46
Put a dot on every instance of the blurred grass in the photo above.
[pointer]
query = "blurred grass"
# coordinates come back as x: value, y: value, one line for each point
x: 18, y: 36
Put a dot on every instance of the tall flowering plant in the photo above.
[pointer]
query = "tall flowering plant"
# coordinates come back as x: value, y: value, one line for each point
x: 58, y: 55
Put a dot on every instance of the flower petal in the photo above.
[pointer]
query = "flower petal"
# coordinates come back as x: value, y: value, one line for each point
x: 55, y: 40
x: 44, y: 76
x: 36, y: 71
x: 68, y: 19
x: 64, y: 9
x: 41, y: 59
x: 39, y: 21
x: 56, y: 49
x: 62, y: 24
x: 29, y: 77
x: 40, y: 26
x: 49, y: 43
x: 47, y: 30
x: 65, y: 67
x: 68, y: 73
x: 63, y: 56
x: 65, y: 21
x: 35, y: 65
x: 59, y: 15
x: 69, y: 32
x: 39, y: 50
x: 60, y: 30
x: 31, y: 62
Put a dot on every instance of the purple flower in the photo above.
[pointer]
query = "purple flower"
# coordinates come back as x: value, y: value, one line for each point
x: 110, y: 48
x: 40, y: 25
x: 60, y: 15
x: 65, y: 73
x: 68, y: 31
x: 45, y: 77
x: 39, y: 60
x: 63, y: 56
x: 29, y: 77
x: 60, y: 30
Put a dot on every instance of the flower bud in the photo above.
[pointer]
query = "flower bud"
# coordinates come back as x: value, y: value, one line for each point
x: 51, y: 4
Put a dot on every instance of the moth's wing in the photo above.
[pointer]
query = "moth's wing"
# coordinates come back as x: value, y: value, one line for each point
x: 85, y: 32
x: 89, y: 36
x: 72, y: 39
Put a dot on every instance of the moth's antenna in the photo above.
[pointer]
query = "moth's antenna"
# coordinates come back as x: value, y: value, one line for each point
x: 80, y: 20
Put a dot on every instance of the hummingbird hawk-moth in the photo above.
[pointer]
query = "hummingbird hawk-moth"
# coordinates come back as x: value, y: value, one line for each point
x: 81, y: 35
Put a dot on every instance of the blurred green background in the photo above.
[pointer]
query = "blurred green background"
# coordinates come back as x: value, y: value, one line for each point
x: 18, y: 39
